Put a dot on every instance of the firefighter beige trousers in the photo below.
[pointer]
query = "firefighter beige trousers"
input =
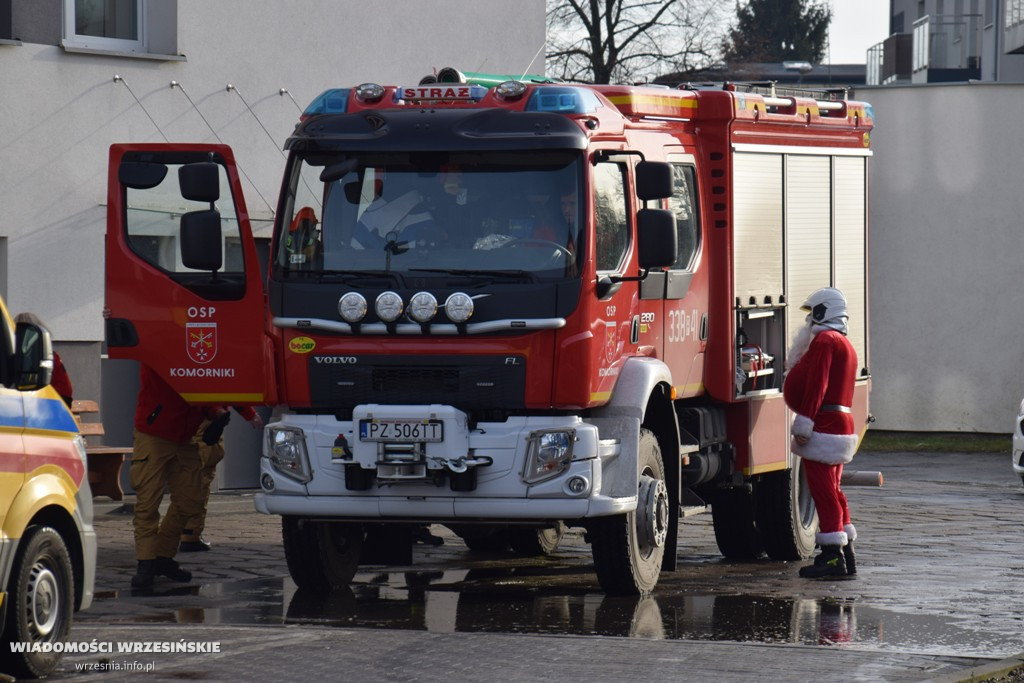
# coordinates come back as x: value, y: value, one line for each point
x: 210, y: 456
x: 157, y: 463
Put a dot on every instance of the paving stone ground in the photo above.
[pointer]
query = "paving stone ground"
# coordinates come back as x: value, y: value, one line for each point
x: 938, y: 596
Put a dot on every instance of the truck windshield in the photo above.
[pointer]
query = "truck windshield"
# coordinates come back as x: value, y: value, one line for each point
x: 428, y: 214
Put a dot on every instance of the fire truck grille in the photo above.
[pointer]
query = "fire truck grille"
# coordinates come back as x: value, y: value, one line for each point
x: 468, y: 383
x: 394, y: 380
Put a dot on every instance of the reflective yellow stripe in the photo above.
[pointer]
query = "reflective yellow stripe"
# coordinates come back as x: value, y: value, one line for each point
x: 657, y: 100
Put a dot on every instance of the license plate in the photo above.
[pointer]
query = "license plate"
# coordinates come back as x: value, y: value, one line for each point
x: 403, y: 431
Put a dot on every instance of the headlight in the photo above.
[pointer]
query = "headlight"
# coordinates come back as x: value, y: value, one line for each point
x: 548, y: 454
x: 388, y: 307
x: 458, y: 307
x: 286, y: 450
x: 422, y: 307
x: 352, y: 307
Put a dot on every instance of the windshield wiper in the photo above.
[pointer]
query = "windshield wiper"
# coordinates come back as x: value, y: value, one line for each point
x: 491, y: 274
x: 345, y: 275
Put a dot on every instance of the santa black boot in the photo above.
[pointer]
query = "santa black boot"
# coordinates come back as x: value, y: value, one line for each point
x: 851, y: 560
x: 829, y: 564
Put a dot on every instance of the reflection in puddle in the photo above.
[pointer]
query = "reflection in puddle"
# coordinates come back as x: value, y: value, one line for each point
x: 501, y: 601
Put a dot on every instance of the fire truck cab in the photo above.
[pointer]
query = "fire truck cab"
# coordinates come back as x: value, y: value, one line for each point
x: 507, y: 308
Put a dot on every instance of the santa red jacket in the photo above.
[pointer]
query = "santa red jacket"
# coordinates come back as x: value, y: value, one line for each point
x: 819, y: 389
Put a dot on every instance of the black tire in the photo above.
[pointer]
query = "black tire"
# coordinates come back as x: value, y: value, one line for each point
x: 786, y: 514
x: 41, y: 601
x: 302, y: 552
x: 628, y: 549
x: 737, y: 535
x: 532, y: 542
x: 341, y: 544
x: 483, y: 538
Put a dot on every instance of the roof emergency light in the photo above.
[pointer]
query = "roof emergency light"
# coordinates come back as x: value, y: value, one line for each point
x: 509, y: 90
x: 369, y: 92
x: 563, y: 100
x: 333, y: 101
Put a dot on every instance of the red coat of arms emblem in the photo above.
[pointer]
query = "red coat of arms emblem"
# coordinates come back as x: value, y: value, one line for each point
x: 201, y: 341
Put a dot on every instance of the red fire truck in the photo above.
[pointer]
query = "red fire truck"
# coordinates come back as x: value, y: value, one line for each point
x: 508, y: 308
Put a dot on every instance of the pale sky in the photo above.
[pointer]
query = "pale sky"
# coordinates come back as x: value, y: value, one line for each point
x: 856, y: 26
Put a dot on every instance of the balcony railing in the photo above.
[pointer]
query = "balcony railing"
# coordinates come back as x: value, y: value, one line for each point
x: 947, y: 47
x: 890, y: 61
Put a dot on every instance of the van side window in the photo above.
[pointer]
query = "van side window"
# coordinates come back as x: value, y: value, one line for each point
x: 611, y: 226
x: 6, y: 351
x: 683, y: 203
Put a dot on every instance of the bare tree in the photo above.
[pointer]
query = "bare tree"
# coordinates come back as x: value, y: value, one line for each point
x: 605, y: 41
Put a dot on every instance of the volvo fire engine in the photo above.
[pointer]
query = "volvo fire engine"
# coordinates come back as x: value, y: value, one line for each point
x: 509, y: 308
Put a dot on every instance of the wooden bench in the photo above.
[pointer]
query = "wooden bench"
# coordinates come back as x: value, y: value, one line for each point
x: 104, y: 462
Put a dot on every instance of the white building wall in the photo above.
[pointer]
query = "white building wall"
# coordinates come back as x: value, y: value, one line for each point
x: 946, y: 246
x: 60, y: 111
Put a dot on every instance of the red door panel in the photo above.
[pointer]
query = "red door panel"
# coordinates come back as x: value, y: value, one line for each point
x: 202, y: 330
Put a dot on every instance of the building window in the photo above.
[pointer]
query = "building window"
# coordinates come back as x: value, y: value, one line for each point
x: 115, y: 25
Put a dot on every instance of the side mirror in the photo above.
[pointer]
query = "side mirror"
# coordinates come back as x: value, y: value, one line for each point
x: 654, y: 180
x: 33, y: 357
x: 200, y: 182
x: 201, y: 240
x: 140, y: 175
x: 657, y: 241
x: 338, y: 170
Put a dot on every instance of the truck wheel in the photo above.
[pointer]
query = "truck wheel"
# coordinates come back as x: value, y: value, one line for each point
x: 41, y: 596
x: 340, y: 547
x: 785, y: 513
x: 302, y: 552
x: 530, y: 542
x: 628, y: 549
x: 732, y: 513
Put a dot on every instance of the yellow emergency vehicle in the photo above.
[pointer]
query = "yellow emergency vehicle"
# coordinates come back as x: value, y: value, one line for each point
x: 47, y: 541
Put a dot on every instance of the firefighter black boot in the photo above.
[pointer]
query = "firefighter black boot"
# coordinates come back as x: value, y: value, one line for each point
x: 851, y: 560
x: 165, y: 566
x: 829, y: 564
x: 144, y: 574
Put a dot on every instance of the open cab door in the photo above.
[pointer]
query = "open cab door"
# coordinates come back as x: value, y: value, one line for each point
x: 184, y: 293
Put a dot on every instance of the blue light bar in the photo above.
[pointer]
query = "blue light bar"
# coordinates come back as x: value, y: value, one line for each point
x: 333, y: 101
x: 563, y: 100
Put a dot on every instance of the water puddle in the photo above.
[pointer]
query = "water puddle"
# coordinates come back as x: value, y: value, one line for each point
x: 501, y: 600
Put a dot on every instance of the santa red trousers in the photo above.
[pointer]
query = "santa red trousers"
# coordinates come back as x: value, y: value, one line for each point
x: 823, y: 480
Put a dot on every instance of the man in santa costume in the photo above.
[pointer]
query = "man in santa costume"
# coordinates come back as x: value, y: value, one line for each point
x: 821, y: 368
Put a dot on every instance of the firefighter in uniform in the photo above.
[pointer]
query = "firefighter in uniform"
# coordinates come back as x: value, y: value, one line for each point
x: 164, y: 455
x: 210, y: 454
x: 822, y: 367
